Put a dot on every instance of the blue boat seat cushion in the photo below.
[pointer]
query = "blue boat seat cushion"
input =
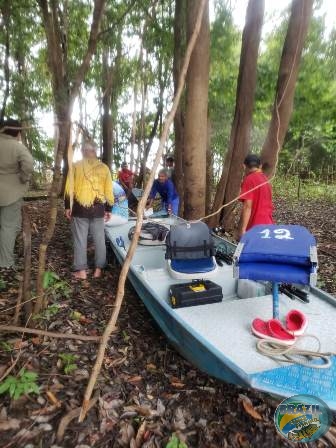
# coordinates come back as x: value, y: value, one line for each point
x: 277, y: 254
x: 196, y: 266
x: 278, y: 244
x: 275, y: 272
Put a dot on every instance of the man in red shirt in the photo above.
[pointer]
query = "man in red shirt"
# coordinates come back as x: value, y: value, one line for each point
x: 125, y: 177
x: 257, y: 204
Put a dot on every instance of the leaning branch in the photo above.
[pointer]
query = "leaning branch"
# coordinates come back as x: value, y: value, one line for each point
x: 126, y: 265
x: 50, y: 334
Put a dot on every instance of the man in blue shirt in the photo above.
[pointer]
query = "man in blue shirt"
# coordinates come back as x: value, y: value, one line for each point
x: 166, y: 189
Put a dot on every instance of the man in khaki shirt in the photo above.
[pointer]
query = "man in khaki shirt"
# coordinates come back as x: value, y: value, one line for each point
x: 16, y: 167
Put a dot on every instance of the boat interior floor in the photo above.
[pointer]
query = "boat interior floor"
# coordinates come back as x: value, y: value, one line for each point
x: 227, y: 325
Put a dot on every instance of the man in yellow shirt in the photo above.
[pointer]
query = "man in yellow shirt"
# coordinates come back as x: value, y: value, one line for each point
x: 88, y: 202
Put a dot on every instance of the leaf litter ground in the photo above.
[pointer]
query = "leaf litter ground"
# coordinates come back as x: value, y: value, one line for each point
x: 147, y: 391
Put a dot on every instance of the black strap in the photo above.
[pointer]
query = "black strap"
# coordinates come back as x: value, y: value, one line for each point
x: 207, y: 248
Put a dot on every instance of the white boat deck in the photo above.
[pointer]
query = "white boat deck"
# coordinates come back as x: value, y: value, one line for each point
x: 226, y: 325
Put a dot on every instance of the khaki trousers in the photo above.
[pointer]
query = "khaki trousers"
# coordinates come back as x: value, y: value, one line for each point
x: 80, y: 229
x: 10, y: 225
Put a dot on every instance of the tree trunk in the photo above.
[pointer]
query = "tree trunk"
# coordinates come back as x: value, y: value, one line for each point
x: 241, y: 127
x: 5, y: 10
x: 142, y: 173
x: 209, y: 171
x: 106, y: 103
x: 134, y: 123
x: 63, y: 143
x: 179, y: 44
x: 195, y: 137
x: 141, y: 135
x: 288, y: 72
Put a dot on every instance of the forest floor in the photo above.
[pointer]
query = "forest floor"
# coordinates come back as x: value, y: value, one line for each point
x: 147, y: 391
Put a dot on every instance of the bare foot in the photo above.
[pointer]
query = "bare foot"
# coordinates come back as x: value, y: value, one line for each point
x: 81, y: 275
x: 97, y: 273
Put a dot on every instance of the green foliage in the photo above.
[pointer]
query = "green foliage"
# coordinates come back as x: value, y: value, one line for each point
x: 175, y: 442
x: 55, y: 286
x: 6, y: 346
x: 128, y: 25
x: 76, y: 315
x: 49, y: 279
x: 23, y: 384
x: 224, y: 48
x: 48, y: 313
x: 68, y: 362
x: 311, y: 138
x: 288, y: 187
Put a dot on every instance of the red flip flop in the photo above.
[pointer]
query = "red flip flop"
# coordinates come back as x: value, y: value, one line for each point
x: 273, y: 331
x: 296, y: 322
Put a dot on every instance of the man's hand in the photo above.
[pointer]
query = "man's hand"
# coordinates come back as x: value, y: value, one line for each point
x: 149, y: 204
x: 68, y: 213
x: 107, y: 216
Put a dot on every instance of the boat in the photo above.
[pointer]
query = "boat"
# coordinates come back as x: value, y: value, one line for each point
x: 217, y: 337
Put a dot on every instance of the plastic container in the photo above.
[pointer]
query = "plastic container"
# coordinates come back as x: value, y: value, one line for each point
x: 197, y: 292
x: 249, y: 288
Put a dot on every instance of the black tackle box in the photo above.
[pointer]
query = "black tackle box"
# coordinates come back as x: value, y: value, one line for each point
x: 197, y: 292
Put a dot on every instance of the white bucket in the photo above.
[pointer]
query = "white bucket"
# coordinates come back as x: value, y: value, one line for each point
x: 249, y: 288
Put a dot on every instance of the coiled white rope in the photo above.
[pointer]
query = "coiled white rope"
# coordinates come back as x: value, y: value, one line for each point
x: 294, y: 354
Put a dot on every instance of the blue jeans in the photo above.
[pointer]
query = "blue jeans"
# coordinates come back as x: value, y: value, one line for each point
x: 175, y: 205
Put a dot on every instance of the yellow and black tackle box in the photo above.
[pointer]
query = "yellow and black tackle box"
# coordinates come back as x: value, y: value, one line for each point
x: 197, y: 292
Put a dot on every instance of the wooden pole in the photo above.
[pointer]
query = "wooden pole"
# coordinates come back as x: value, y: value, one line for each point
x: 126, y: 265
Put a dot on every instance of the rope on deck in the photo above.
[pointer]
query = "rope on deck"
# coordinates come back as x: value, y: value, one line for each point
x: 294, y: 354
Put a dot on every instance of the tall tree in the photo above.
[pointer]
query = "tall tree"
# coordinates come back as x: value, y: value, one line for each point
x: 298, y: 25
x: 65, y: 85
x: 5, y: 10
x: 179, y: 44
x: 196, y: 117
x: 110, y: 78
x: 209, y: 171
x: 241, y: 127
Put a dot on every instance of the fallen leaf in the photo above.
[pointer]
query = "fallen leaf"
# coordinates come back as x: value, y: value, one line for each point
x: 53, y: 399
x: 19, y: 344
x: 134, y: 379
x: 110, y: 362
x: 44, y: 411
x: 178, y: 385
x: 248, y: 407
x: 241, y: 439
x: 12, y: 423
x: 151, y: 367
x: 140, y: 435
x: 85, y: 320
x: 145, y: 411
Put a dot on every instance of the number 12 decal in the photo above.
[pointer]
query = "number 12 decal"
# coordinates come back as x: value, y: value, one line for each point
x: 279, y: 234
